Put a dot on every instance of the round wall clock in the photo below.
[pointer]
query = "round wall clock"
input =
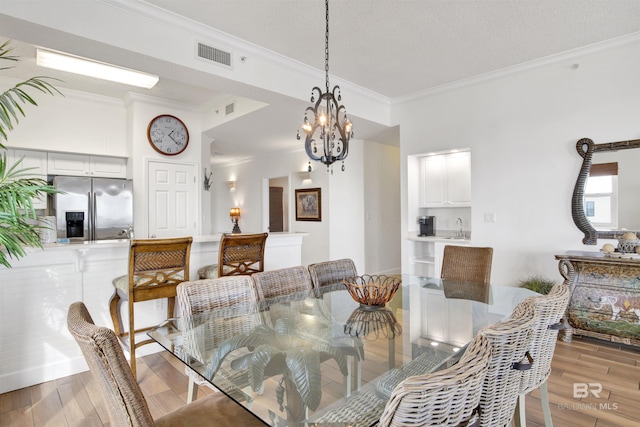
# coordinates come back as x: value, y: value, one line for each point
x: 168, y: 135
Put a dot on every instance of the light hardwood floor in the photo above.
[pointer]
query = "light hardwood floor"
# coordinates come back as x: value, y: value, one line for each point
x: 75, y: 401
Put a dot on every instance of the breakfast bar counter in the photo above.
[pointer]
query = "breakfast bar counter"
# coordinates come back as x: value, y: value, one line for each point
x: 37, y: 291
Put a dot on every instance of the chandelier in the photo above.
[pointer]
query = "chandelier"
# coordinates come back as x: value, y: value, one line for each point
x: 327, y: 127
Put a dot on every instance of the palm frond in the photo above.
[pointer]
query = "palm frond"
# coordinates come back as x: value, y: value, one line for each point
x: 11, y: 100
x: 5, y: 50
x: 18, y: 187
x: 17, y: 215
x: 304, y: 366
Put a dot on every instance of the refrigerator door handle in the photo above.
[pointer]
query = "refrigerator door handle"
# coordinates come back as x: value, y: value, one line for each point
x: 95, y: 217
x: 89, y: 219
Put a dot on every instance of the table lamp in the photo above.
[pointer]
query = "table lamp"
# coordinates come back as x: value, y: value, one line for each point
x: 234, y: 213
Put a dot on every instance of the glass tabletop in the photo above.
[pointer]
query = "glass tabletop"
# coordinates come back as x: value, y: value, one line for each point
x: 318, y: 357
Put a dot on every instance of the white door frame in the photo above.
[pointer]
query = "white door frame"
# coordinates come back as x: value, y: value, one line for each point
x: 265, y: 201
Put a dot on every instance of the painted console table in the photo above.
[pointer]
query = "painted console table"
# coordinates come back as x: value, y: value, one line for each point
x: 605, y: 296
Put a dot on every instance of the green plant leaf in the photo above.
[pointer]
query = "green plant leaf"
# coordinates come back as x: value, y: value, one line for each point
x: 17, y: 187
x: 17, y: 215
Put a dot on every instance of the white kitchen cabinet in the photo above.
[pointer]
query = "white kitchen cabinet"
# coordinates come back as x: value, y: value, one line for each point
x: 83, y: 165
x: 445, y: 180
x: 108, y: 167
x: 36, y: 161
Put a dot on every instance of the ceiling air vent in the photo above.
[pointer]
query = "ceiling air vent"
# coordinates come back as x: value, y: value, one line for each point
x: 229, y: 108
x: 216, y: 55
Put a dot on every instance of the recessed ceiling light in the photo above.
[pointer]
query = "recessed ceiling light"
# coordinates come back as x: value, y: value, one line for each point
x: 88, y: 67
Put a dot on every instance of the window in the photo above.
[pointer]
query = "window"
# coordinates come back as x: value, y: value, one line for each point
x: 601, y: 196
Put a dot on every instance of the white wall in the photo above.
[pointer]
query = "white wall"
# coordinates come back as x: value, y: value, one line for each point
x: 369, y: 183
x: 346, y: 207
x: 382, y: 208
x: 522, y: 129
x: 72, y: 122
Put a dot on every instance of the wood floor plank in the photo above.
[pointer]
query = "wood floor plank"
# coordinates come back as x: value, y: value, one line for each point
x: 47, y: 407
x: 77, y: 401
x: 95, y: 395
x: 16, y: 418
x: 14, y: 399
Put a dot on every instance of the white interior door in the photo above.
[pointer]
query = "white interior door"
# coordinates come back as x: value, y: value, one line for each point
x: 173, y: 203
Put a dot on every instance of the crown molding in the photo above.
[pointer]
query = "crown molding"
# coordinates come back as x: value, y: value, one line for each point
x: 525, y: 66
x: 215, y: 36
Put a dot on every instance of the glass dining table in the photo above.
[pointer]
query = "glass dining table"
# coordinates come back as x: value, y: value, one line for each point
x: 320, y: 358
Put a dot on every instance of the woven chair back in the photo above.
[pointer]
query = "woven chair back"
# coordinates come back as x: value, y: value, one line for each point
x: 234, y: 293
x: 101, y: 349
x: 274, y: 283
x: 156, y: 266
x: 449, y: 397
x: 511, y: 341
x: 241, y: 254
x: 331, y: 272
x: 467, y: 263
x: 549, y: 310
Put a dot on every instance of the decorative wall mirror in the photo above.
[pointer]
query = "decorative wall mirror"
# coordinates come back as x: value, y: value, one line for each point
x: 608, y: 211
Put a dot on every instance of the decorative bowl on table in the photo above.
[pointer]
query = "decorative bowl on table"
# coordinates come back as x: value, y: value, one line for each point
x: 372, y: 324
x: 372, y: 291
x: 628, y: 246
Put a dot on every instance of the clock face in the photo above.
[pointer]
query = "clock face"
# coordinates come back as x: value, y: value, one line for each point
x: 168, y: 135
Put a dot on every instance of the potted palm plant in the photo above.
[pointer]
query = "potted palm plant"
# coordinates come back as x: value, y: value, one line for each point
x: 18, y: 220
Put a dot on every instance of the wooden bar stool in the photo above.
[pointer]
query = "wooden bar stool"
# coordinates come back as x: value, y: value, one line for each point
x: 239, y: 254
x: 156, y: 267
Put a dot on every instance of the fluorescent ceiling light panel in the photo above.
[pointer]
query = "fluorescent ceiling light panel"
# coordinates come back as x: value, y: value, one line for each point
x: 89, y: 67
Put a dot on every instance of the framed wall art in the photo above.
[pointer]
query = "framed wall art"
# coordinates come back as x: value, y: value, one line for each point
x: 308, y: 204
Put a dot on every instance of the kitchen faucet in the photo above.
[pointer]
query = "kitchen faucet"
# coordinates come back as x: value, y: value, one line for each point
x: 459, y: 224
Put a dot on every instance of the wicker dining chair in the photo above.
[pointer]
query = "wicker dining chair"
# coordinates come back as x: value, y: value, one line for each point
x: 549, y: 311
x: 467, y: 263
x: 274, y: 283
x: 156, y: 267
x: 239, y: 254
x: 426, y: 362
x: 331, y: 272
x: 125, y: 403
x: 202, y: 295
x: 449, y: 397
x: 511, y: 341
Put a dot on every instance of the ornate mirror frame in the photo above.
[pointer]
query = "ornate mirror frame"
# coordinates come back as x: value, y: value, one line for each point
x: 586, y: 148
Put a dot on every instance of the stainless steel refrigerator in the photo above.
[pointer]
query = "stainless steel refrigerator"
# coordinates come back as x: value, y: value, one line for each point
x: 93, y: 208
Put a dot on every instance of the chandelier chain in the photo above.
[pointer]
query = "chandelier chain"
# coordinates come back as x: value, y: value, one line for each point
x: 326, y: 44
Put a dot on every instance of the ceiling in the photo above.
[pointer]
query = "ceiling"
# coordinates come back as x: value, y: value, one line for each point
x: 393, y: 47
x: 398, y: 47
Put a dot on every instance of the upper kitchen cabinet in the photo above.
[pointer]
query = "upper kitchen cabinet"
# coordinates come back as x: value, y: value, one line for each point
x: 445, y: 180
x: 36, y: 161
x: 83, y: 165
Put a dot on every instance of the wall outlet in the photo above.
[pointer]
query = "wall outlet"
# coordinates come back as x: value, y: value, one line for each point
x: 489, y: 217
